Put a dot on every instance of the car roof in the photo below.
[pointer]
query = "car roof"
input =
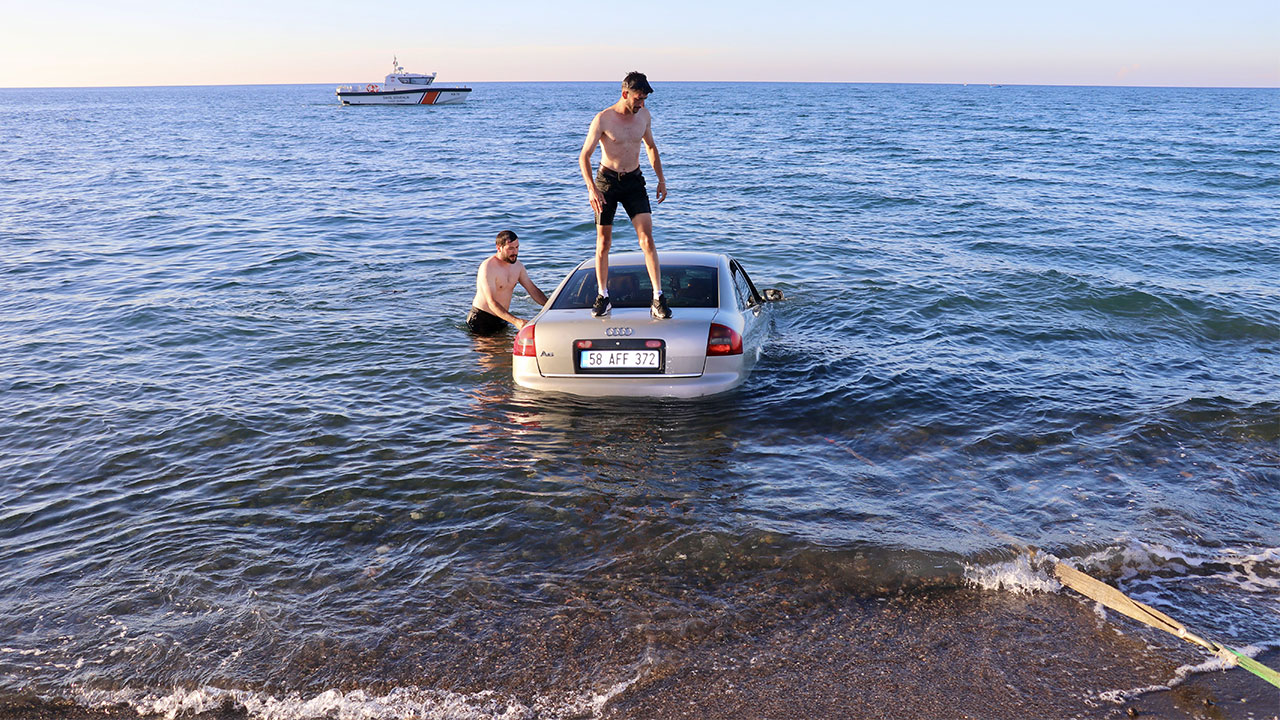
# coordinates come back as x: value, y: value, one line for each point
x: 672, y: 257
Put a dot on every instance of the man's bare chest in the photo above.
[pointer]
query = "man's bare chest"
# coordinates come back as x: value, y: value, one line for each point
x: 507, y: 278
x: 628, y: 131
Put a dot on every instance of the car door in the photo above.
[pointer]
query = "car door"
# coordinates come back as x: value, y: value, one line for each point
x: 751, y: 307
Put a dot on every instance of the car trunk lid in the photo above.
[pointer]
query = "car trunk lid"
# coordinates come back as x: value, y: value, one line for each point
x: 683, y: 337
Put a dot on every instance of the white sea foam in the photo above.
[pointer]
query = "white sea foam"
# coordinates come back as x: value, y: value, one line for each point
x: 1020, y: 575
x: 418, y: 703
x: 1255, y: 570
x: 1180, y: 675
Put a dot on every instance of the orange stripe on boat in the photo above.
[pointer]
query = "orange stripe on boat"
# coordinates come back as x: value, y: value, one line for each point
x: 429, y: 98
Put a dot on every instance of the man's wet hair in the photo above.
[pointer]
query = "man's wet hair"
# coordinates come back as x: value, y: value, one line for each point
x: 506, y: 237
x: 637, y: 82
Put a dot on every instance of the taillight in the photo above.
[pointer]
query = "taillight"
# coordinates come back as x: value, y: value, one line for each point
x: 524, y: 342
x: 722, y: 340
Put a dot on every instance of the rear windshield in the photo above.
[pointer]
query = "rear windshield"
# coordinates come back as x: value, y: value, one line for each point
x: 688, y: 286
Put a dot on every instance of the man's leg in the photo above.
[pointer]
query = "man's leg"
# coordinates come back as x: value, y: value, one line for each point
x: 643, y: 223
x: 644, y: 233
x: 604, y: 239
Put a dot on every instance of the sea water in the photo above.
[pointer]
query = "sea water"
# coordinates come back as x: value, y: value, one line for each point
x: 252, y: 462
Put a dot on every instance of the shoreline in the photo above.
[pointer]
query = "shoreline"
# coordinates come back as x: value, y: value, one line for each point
x: 958, y: 654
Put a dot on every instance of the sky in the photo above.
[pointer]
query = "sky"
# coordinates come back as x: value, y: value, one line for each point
x: 78, y: 43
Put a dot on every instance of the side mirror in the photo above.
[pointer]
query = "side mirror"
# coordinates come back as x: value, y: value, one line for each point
x: 773, y: 295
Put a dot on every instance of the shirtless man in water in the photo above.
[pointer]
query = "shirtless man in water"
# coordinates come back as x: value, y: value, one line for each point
x: 495, y: 282
x: 619, y: 131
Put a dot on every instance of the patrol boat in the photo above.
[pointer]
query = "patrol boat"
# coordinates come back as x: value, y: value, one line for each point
x: 402, y: 88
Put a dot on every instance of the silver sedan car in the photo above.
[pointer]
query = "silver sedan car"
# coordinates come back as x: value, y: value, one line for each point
x: 709, y: 344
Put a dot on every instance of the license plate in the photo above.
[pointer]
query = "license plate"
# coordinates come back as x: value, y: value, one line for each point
x: 619, y: 360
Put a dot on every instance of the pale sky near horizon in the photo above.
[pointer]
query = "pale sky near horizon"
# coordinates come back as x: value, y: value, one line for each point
x: 77, y: 43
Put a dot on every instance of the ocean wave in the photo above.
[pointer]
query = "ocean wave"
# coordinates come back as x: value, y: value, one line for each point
x: 1208, y: 588
x: 1023, y: 574
x: 396, y: 703
x: 1255, y: 570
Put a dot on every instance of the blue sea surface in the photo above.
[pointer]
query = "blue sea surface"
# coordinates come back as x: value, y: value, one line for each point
x: 252, y: 462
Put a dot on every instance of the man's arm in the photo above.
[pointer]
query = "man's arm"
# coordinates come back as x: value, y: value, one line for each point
x: 487, y: 282
x: 534, y: 292
x: 584, y: 164
x: 651, y: 149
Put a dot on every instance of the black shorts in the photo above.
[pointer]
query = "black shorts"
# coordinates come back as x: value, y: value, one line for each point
x: 625, y: 188
x: 485, y: 323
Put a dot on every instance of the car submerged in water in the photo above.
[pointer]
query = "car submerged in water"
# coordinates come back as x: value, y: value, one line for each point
x: 709, y: 344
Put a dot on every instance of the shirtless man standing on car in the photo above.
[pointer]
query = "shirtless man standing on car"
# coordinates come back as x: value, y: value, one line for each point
x: 495, y: 283
x: 619, y: 130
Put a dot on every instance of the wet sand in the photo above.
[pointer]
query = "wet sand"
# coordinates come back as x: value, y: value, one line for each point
x: 966, y: 656
x: 945, y: 653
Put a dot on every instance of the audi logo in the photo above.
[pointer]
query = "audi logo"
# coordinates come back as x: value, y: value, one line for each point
x: 618, y: 331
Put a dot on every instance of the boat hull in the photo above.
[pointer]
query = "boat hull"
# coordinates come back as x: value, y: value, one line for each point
x: 429, y: 96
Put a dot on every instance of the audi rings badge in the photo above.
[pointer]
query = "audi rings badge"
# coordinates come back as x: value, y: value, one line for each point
x: 618, y: 331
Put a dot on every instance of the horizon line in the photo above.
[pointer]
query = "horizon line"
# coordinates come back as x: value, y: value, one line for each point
x: 672, y: 82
